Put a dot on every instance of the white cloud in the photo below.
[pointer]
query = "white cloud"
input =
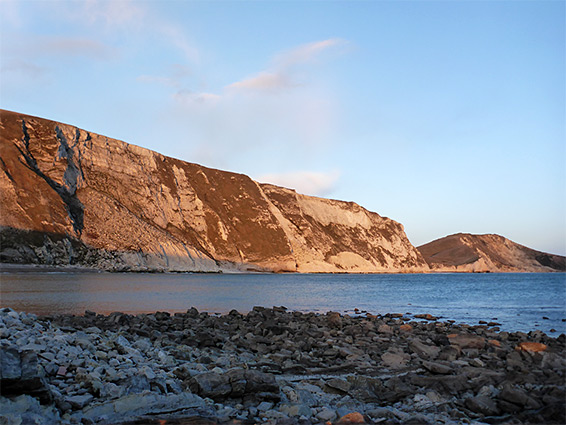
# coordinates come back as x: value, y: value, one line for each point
x: 281, y: 74
x: 305, y: 182
x: 306, y: 52
x: 262, y: 81
x: 258, y: 115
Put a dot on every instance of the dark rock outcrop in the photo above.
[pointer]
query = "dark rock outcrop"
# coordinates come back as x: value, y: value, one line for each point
x: 20, y: 373
x: 235, y: 383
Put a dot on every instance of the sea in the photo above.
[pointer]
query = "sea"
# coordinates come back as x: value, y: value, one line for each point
x: 517, y: 301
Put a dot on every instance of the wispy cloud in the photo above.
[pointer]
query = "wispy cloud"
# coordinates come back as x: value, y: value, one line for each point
x: 68, y: 46
x: 305, y: 53
x: 186, y: 97
x: 305, y: 182
x: 283, y: 105
x: 23, y: 68
x: 110, y: 14
x: 281, y: 73
x: 116, y: 21
x: 262, y: 81
x: 29, y: 49
x: 176, y: 37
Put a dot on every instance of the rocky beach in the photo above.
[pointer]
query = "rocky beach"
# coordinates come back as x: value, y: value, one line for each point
x: 274, y: 366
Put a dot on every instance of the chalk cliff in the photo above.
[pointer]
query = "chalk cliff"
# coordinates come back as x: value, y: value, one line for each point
x: 464, y: 252
x: 68, y: 196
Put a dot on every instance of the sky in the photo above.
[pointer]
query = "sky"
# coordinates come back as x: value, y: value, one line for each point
x: 447, y: 116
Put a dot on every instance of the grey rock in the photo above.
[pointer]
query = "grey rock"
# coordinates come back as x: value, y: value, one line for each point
x: 423, y: 350
x: 395, y: 360
x: 10, y: 365
x: 518, y: 397
x: 438, y: 368
x: 326, y: 414
x: 110, y: 390
x: 137, y: 384
x: 477, y: 363
x: 264, y: 406
x: 135, y: 405
x: 418, y: 419
x: 210, y: 384
x: 380, y: 413
x: 339, y: 384
x: 21, y: 374
x: 296, y: 410
x: 449, y: 353
x: 25, y: 409
x: 79, y: 401
x: 483, y: 405
x: 173, y: 386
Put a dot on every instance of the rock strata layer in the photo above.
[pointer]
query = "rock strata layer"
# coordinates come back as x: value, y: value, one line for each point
x: 464, y: 252
x: 275, y: 367
x: 71, y: 197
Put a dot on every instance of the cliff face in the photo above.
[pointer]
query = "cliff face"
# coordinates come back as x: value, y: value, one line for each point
x: 68, y: 196
x: 464, y: 252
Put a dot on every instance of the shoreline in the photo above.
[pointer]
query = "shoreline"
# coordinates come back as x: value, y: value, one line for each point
x: 30, y: 268
x: 276, y: 367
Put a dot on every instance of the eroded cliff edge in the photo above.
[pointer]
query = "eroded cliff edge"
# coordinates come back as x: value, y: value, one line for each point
x: 68, y: 196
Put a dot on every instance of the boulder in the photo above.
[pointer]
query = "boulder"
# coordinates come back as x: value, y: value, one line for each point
x: 79, y: 401
x: 135, y: 405
x: 326, y: 414
x: 235, y: 383
x: 483, y: 405
x: 210, y: 384
x: 425, y: 316
x: 351, y: 418
x: 394, y: 359
x: 467, y: 341
x: 518, y: 397
x: 20, y: 374
x: 339, y: 384
x: 423, y: 350
x: 438, y: 368
x: 334, y: 319
x: 531, y: 347
x: 25, y: 409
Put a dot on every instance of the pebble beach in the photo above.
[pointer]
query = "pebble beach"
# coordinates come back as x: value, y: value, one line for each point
x: 274, y: 366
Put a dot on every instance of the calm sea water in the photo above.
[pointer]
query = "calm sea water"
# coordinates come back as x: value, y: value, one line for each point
x: 520, y: 302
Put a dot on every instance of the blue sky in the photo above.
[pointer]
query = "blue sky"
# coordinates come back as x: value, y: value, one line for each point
x: 445, y: 116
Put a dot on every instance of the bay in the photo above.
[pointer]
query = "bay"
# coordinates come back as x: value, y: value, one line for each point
x: 519, y: 301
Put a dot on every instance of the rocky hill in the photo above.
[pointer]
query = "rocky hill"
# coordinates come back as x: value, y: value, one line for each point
x: 464, y: 252
x: 71, y: 197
